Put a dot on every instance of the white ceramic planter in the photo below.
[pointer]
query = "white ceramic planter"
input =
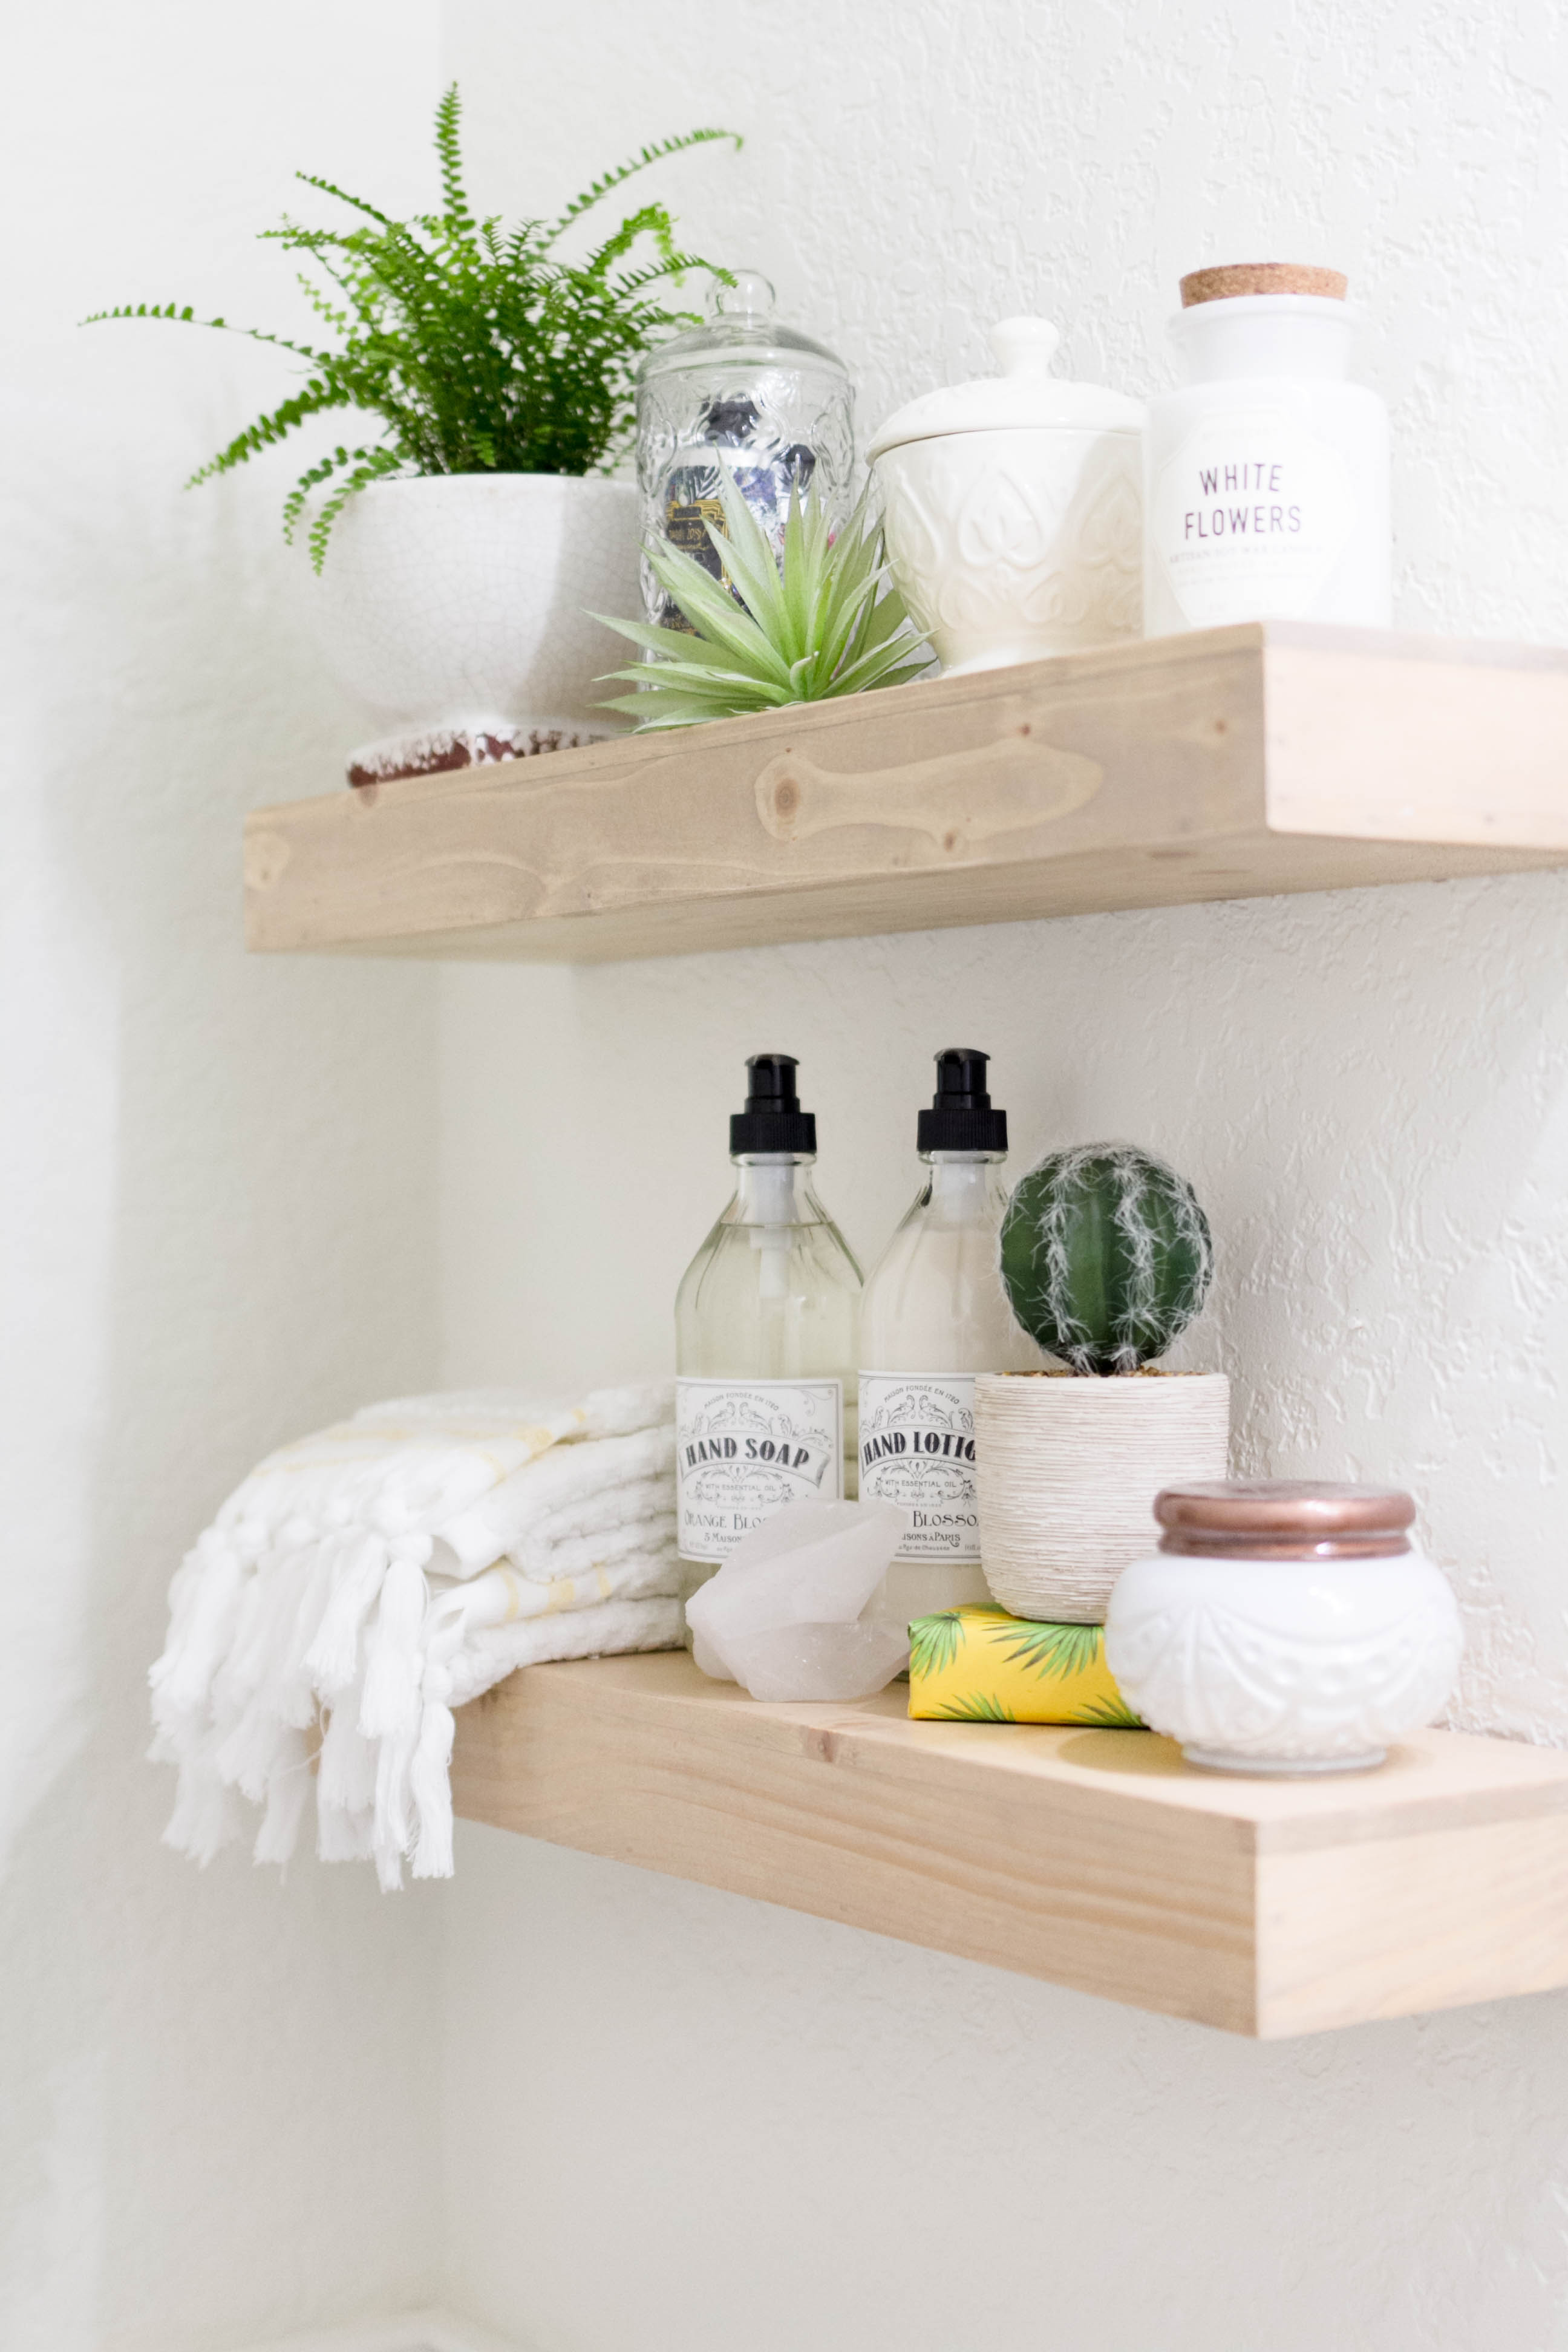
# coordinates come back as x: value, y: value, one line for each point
x: 1284, y: 1665
x: 1067, y: 1471
x: 1014, y: 509
x: 457, y: 606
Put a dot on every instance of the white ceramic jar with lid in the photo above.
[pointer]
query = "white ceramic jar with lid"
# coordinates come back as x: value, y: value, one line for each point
x: 1267, y: 487
x: 1284, y: 1626
x: 1012, y: 508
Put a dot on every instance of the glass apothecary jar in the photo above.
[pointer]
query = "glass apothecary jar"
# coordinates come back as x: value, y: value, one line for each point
x: 745, y: 391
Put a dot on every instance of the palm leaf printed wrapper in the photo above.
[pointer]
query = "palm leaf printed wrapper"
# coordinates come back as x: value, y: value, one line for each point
x: 978, y: 1665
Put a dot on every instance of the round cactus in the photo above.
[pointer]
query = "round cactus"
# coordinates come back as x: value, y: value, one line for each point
x: 1105, y: 1256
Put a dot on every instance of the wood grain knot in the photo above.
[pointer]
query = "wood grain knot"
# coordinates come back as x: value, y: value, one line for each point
x: 955, y: 803
x: 266, y: 859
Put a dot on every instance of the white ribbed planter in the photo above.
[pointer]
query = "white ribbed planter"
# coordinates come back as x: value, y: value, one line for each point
x: 1066, y: 1469
x: 457, y: 606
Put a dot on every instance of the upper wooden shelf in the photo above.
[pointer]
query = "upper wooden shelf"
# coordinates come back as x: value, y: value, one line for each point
x: 1095, y: 1859
x: 1229, y: 764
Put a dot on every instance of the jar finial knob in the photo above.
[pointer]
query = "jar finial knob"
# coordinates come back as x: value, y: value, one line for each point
x: 751, y: 296
x: 1025, y: 346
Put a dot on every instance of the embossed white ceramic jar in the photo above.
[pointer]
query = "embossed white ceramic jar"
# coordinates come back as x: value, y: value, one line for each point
x: 1015, y: 509
x: 1284, y: 1628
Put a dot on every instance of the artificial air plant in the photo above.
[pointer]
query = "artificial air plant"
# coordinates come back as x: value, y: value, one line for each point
x: 480, y: 350
x: 822, y: 619
x: 1106, y: 1257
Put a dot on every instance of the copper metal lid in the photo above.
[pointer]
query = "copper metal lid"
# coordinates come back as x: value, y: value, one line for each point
x: 1285, y: 1518
x: 1262, y: 278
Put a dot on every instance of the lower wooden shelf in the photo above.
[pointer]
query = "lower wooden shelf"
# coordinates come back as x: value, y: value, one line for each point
x: 1094, y: 1858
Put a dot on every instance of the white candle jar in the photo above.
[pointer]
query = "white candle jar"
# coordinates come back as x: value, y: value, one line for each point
x: 1284, y: 1628
x: 1266, y: 489
x: 1013, y: 509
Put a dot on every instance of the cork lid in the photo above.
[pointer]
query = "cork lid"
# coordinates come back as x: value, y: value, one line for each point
x: 1261, y: 278
x: 1285, y: 1518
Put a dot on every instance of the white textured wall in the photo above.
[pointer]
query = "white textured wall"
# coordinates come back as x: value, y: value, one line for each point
x: 739, y: 2124
x: 215, y: 1199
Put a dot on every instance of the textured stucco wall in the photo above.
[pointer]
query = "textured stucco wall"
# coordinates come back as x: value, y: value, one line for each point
x: 742, y: 2125
x: 218, y: 1194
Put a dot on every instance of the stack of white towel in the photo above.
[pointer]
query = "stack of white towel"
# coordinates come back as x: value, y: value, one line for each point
x: 376, y: 1576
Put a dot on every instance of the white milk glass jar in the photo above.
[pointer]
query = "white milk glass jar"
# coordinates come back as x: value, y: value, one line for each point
x: 1284, y: 1626
x: 933, y: 1314
x: 1266, y: 489
x: 764, y: 1340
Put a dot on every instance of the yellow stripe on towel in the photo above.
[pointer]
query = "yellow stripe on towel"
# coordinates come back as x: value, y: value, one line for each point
x: 978, y: 1665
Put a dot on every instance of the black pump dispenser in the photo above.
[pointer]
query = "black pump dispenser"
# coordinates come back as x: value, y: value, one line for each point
x: 772, y: 1120
x: 960, y: 1117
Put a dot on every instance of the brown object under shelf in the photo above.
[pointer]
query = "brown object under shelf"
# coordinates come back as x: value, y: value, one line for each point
x: 1094, y: 1858
x: 1233, y: 763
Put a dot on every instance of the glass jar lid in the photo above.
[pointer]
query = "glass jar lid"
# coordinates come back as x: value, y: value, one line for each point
x: 1026, y: 393
x: 740, y: 325
x: 1285, y: 1518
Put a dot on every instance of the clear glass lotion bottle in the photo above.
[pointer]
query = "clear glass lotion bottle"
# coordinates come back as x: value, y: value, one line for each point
x: 765, y: 1338
x: 935, y: 1314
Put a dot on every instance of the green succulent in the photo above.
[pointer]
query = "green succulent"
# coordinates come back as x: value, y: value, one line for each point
x: 824, y: 620
x: 1106, y: 1257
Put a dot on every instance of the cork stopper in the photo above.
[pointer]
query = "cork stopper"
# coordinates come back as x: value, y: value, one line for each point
x: 1261, y: 278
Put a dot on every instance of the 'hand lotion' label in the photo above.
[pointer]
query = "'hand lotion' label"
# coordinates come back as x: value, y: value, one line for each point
x: 917, y: 1449
x: 1250, y: 516
x: 746, y: 1448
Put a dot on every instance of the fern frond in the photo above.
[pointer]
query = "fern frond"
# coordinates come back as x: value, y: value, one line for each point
x: 448, y: 119
x: 330, y: 188
x: 660, y: 148
x: 376, y: 462
x: 268, y: 430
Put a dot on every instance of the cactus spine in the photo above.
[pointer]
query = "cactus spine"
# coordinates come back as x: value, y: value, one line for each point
x: 1105, y: 1256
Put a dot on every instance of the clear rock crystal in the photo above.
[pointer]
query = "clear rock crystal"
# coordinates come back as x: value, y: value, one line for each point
x: 786, y: 1616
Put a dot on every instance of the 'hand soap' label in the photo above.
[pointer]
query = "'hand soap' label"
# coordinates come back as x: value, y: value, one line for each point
x: 746, y: 1448
x: 917, y: 1449
x: 1250, y: 516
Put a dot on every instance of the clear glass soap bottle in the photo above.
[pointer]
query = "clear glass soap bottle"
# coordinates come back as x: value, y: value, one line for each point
x: 935, y: 1314
x: 765, y: 1338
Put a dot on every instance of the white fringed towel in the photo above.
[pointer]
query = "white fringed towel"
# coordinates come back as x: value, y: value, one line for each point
x: 383, y: 1572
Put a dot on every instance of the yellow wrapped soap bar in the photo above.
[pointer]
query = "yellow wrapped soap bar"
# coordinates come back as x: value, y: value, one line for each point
x: 978, y: 1665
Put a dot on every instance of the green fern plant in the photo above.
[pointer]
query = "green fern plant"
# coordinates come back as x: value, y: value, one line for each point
x: 480, y: 350
x: 823, y: 620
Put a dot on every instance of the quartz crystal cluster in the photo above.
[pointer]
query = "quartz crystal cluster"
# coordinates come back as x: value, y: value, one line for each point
x: 788, y: 1615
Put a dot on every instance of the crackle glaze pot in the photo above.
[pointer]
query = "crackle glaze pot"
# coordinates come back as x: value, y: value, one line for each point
x: 460, y: 606
x: 1284, y: 1628
x: 1014, y: 509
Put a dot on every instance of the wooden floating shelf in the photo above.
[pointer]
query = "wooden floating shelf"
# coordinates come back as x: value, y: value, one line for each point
x: 1094, y: 1858
x: 1233, y: 763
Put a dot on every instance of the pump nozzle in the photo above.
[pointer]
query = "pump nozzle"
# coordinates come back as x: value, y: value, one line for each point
x: 772, y: 1120
x: 960, y: 1117
x: 960, y: 1079
x: 771, y: 1082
